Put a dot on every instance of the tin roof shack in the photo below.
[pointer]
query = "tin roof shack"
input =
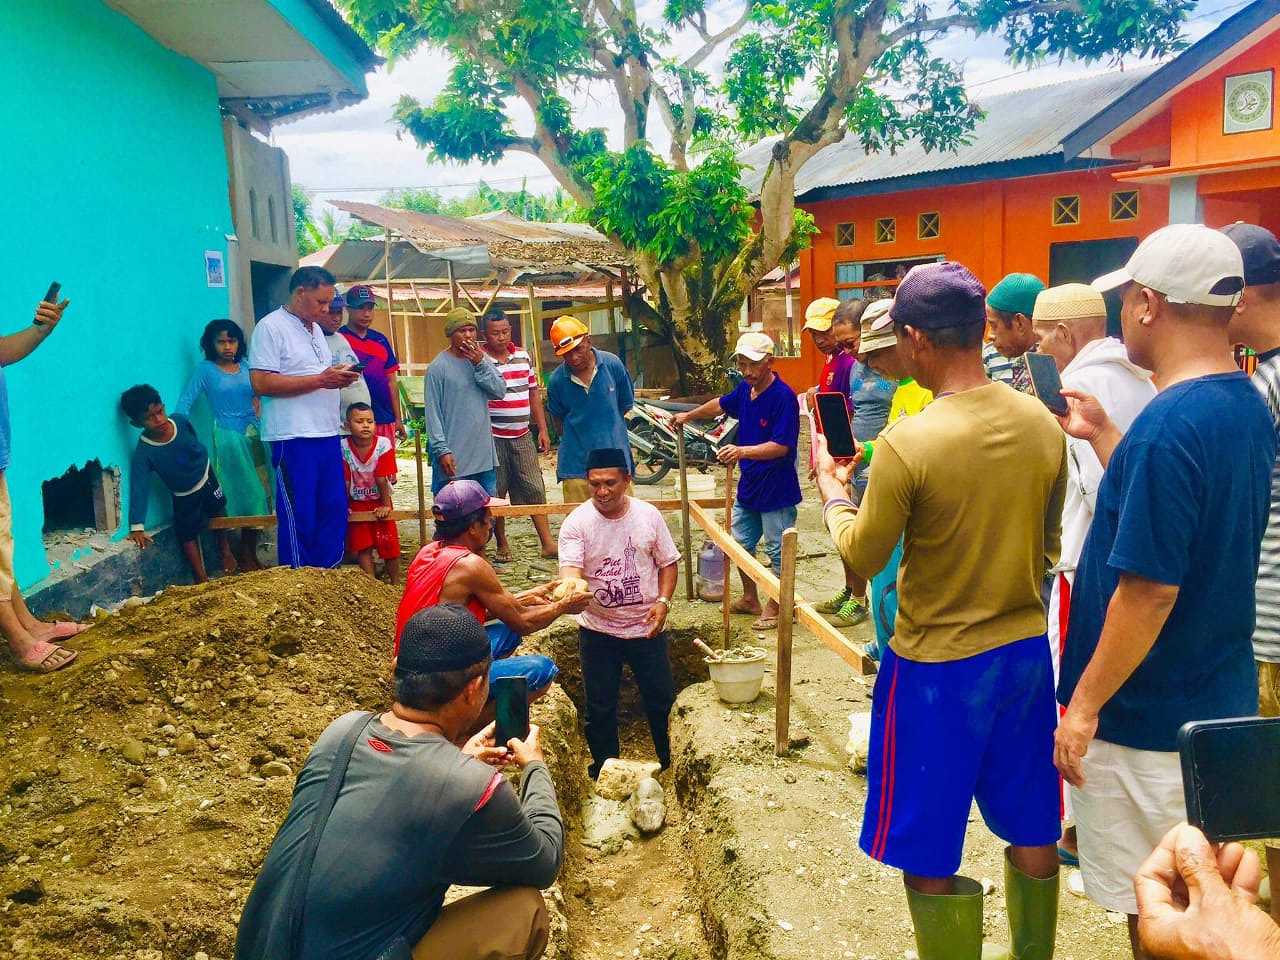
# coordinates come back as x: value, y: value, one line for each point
x: 125, y: 136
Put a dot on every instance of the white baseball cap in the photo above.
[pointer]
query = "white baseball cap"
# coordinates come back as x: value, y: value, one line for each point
x: 1188, y: 263
x: 755, y: 346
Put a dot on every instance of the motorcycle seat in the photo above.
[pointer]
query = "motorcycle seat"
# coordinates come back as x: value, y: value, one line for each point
x: 671, y: 405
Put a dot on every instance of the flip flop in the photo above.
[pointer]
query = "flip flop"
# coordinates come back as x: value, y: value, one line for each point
x: 46, y: 665
x: 765, y: 623
x: 1067, y: 858
x: 502, y: 558
x: 65, y: 629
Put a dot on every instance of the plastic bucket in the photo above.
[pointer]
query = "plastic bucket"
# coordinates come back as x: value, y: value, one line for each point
x: 738, y: 681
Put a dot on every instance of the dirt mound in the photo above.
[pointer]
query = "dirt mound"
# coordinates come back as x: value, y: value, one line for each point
x: 140, y: 789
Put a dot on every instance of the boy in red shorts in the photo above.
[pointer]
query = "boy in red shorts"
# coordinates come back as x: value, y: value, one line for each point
x: 369, y: 464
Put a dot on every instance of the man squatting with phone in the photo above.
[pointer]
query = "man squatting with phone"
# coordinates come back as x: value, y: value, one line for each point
x: 453, y: 569
x: 768, y: 416
x: 621, y: 546
x: 414, y: 815
x: 1162, y: 613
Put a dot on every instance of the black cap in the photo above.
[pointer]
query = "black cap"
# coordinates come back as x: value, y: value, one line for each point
x: 439, y: 638
x: 1260, y: 251
x: 934, y: 296
x: 605, y: 458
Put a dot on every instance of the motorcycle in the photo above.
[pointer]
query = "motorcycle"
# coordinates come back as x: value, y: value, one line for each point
x: 651, y: 430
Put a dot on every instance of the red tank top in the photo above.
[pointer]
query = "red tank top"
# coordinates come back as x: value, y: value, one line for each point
x: 425, y: 580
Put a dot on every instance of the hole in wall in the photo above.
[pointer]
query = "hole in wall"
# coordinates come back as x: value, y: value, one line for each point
x: 81, y: 511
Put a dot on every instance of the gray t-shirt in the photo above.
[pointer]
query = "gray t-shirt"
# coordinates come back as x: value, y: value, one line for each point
x: 414, y: 815
x: 1266, y: 632
x: 457, y: 395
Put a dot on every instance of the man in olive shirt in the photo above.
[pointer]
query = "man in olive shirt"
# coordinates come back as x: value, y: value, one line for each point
x: 974, y: 483
x: 413, y: 815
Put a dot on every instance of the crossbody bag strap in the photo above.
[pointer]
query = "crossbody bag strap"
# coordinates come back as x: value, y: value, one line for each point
x: 302, y: 878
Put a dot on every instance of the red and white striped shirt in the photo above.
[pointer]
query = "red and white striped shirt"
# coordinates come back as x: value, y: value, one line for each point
x: 510, y: 415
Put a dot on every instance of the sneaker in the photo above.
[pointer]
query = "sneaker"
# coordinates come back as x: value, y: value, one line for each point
x: 835, y: 603
x: 851, y: 613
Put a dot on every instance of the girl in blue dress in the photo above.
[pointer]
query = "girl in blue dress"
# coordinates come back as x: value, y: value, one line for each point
x: 239, y: 457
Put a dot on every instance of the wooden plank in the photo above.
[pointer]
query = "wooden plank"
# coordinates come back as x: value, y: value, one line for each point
x: 453, y: 286
x: 684, y: 515
x: 422, y: 490
x: 588, y: 307
x: 726, y: 600
x: 782, y: 672
x: 535, y: 332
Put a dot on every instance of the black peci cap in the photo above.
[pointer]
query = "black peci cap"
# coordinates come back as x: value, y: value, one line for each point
x: 605, y: 458
x: 440, y: 638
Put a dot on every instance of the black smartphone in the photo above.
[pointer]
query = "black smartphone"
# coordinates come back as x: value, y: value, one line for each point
x: 1231, y: 777
x: 51, y: 296
x: 359, y: 366
x: 833, y: 416
x: 1046, y: 382
x: 511, y: 709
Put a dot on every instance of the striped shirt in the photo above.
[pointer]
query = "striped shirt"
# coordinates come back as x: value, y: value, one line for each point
x: 510, y: 415
x: 1266, y: 631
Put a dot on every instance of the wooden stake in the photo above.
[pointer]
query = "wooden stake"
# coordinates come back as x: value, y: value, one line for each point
x: 684, y: 513
x: 728, y: 567
x: 422, y: 490
x: 786, y: 611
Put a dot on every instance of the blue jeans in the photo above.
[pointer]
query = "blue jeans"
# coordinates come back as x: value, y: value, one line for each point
x: 487, y: 479
x: 537, y: 670
x: 750, y: 525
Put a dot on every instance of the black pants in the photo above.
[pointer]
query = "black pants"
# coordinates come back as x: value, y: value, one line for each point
x: 602, y: 660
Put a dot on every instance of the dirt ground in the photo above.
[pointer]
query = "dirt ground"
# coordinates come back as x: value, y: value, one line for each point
x: 140, y: 789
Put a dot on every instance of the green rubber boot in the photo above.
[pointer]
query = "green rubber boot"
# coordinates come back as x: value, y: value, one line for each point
x: 948, y: 927
x: 1032, y: 905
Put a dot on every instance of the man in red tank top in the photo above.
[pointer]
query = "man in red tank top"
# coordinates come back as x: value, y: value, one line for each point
x: 452, y: 569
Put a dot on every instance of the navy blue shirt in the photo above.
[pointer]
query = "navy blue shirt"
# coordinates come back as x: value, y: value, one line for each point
x: 766, y: 485
x: 1184, y: 501
x: 591, y: 419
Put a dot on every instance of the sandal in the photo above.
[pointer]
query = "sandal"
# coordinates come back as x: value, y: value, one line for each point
x: 57, y: 658
x: 64, y: 629
x: 502, y: 557
x: 1067, y: 858
x: 741, y: 606
x: 765, y: 623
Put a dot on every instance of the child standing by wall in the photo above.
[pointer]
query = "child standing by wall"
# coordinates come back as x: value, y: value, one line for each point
x: 369, y: 463
x: 239, y: 457
x: 170, y: 449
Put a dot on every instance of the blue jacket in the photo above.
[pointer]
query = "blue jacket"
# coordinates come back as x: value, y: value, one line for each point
x: 591, y: 420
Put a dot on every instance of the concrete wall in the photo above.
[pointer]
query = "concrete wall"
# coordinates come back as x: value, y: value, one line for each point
x: 117, y: 184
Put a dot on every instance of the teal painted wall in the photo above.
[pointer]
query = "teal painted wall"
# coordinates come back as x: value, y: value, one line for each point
x: 303, y: 18
x: 115, y: 184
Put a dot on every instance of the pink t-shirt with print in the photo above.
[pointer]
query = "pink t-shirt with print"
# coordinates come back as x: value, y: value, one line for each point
x: 620, y: 559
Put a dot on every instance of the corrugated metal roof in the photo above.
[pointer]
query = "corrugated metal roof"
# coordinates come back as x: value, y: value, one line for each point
x: 1016, y: 126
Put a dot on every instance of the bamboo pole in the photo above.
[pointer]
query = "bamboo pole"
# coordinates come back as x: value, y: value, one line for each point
x: 386, y: 276
x: 786, y: 618
x: 453, y: 285
x: 728, y: 567
x: 684, y: 515
x: 422, y: 490
x: 535, y: 332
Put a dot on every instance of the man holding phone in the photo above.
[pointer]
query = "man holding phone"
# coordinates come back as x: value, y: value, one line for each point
x: 1162, y: 613
x: 440, y: 815
x: 974, y: 485
x: 768, y: 416
x: 292, y: 370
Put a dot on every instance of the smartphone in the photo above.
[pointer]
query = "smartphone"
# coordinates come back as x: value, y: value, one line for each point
x: 833, y: 417
x: 511, y: 708
x: 359, y: 366
x: 51, y: 296
x: 1046, y: 382
x: 1231, y: 777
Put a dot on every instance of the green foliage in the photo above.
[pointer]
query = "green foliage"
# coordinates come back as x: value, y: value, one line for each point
x: 467, y: 121
x: 554, y: 207
x: 302, y: 224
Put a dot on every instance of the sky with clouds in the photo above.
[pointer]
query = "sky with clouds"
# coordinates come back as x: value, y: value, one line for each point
x: 355, y: 154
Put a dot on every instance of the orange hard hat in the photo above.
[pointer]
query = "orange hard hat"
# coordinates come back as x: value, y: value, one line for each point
x: 567, y: 333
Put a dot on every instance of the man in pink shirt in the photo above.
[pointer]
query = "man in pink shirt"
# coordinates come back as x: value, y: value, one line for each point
x: 621, y: 546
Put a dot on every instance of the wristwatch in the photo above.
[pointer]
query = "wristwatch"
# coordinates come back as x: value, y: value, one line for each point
x: 665, y: 601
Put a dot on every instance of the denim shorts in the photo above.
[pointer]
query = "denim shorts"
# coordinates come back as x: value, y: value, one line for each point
x: 750, y: 525
x: 538, y: 670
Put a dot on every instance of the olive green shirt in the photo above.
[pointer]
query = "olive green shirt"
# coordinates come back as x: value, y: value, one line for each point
x: 974, y: 484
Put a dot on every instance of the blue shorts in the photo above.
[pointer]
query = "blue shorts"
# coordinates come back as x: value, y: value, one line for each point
x: 487, y: 479
x: 750, y: 525
x: 538, y: 670
x: 945, y: 734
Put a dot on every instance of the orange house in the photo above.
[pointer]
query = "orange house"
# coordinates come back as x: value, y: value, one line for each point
x: 1061, y: 181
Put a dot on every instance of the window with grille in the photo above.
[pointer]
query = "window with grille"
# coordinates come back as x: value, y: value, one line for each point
x: 886, y: 230
x: 844, y: 234
x: 928, y: 226
x: 873, y: 279
x: 1124, y: 205
x: 1066, y: 211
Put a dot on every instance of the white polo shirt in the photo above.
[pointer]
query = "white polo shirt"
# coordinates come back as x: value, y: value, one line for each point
x: 282, y: 344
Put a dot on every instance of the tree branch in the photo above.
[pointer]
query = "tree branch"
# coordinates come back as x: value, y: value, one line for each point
x: 712, y: 40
